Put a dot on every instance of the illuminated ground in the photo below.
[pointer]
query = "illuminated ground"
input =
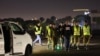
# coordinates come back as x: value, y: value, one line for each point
x: 94, y: 50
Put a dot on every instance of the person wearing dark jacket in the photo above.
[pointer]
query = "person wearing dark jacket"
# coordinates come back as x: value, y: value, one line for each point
x: 60, y: 31
x: 55, y: 35
x: 67, y: 32
x: 60, y: 28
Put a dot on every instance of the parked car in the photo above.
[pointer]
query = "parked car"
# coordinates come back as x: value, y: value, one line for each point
x: 14, y: 39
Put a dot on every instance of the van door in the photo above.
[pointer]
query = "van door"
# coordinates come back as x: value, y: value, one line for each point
x: 1, y: 41
x: 17, y: 33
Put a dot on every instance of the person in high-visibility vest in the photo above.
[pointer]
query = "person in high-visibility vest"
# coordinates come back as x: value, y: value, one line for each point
x: 38, y: 29
x: 48, y: 35
x: 76, y: 34
x: 86, y: 32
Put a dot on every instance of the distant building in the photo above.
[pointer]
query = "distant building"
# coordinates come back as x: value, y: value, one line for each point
x: 95, y: 20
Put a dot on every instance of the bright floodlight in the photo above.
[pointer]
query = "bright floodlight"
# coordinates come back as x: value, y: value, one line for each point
x: 86, y: 13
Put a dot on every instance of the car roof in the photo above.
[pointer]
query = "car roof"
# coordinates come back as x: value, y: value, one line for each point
x: 8, y: 22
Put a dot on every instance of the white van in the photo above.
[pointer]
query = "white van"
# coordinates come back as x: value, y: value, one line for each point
x: 14, y: 39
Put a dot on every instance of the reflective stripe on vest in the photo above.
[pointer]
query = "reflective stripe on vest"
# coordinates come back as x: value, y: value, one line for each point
x: 38, y: 31
x: 76, y: 30
x: 86, y: 30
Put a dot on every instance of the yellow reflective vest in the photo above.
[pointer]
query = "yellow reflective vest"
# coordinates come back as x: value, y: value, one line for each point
x: 38, y: 31
x: 86, y: 30
x: 48, y: 30
x: 76, y: 30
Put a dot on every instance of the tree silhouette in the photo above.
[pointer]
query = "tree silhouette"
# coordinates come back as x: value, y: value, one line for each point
x: 53, y: 19
x: 21, y: 22
x: 69, y: 18
x: 41, y: 19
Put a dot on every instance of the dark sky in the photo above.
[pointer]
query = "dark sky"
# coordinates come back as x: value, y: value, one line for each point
x: 29, y: 9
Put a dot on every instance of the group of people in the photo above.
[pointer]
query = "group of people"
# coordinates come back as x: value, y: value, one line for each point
x: 64, y: 35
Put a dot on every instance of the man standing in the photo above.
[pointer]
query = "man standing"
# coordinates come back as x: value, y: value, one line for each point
x: 55, y: 36
x: 48, y: 35
x: 76, y: 34
x: 60, y: 33
x: 67, y: 34
x: 86, y: 30
x: 38, y: 29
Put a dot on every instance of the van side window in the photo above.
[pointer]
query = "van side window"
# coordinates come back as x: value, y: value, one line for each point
x: 16, y: 29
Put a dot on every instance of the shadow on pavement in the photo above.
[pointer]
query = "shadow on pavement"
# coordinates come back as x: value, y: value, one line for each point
x: 92, y: 51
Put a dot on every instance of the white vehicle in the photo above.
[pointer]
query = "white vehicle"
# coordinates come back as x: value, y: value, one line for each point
x: 14, y: 39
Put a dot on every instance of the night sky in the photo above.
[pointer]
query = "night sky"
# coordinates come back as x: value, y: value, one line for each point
x: 29, y: 9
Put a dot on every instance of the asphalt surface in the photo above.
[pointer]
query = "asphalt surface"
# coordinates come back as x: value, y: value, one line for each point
x: 93, y: 50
